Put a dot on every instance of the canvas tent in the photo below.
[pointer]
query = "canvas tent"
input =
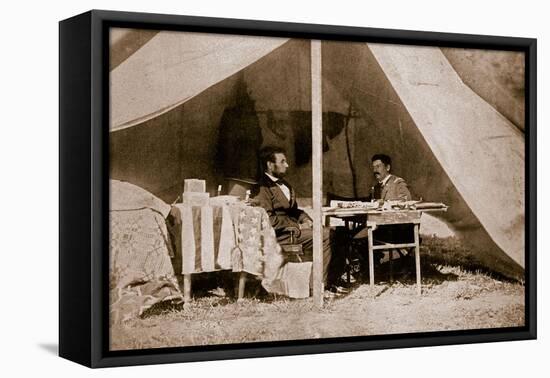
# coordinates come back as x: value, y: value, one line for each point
x: 183, y: 103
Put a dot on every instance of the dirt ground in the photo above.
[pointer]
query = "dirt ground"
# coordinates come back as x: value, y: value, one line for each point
x: 453, y: 298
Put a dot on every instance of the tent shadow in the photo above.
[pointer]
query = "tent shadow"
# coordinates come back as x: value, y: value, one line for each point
x: 403, y: 271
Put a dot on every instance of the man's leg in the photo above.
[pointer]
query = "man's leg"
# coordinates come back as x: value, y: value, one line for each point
x: 306, y: 240
x: 339, y: 243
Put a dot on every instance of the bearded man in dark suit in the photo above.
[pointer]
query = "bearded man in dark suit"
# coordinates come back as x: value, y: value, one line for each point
x: 278, y: 198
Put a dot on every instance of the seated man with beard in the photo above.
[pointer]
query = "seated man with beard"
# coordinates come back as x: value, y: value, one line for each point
x: 278, y: 198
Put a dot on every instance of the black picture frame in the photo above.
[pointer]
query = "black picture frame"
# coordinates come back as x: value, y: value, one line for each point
x: 84, y: 205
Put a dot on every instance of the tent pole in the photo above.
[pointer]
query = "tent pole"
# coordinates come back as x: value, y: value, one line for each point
x: 317, y: 170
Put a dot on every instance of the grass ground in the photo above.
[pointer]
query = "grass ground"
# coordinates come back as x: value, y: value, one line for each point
x: 457, y: 295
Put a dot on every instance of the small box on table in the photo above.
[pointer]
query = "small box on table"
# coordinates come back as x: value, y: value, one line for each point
x: 194, y: 186
x: 195, y: 199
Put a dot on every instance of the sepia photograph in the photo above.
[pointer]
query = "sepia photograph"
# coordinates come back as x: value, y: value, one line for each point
x: 267, y: 189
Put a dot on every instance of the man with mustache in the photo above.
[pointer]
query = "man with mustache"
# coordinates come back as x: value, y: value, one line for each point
x: 389, y: 187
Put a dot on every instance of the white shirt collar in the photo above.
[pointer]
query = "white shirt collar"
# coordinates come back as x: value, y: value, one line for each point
x: 284, y: 188
x: 273, y: 178
x: 383, y: 182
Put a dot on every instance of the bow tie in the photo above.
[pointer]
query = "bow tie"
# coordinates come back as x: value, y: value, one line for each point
x: 281, y: 182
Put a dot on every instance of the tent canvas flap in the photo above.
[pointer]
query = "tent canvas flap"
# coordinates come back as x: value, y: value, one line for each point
x: 487, y: 166
x: 173, y: 67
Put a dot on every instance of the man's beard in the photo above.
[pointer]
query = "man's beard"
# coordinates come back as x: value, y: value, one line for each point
x: 279, y: 174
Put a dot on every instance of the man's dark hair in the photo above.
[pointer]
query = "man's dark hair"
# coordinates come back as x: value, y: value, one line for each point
x: 267, y: 153
x: 383, y: 158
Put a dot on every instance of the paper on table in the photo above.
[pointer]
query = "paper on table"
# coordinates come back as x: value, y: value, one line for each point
x: 353, y: 204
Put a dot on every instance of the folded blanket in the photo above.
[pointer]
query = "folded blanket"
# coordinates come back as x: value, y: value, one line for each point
x: 126, y: 196
x: 140, y: 270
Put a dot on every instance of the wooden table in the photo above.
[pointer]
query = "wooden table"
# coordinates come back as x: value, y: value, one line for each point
x: 375, y: 218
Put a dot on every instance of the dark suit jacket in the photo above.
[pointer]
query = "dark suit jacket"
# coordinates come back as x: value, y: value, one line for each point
x: 282, y: 212
x: 394, y: 190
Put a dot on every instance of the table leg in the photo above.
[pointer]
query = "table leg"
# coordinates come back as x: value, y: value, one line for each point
x: 417, y: 260
x: 391, y: 265
x: 242, y: 283
x: 371, y: 257
x: 187, y: 288
x: 347, y: 250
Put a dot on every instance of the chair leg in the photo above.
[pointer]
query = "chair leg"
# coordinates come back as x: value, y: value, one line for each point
x: 348, y: 269
x: 417, y: 260
x: 348, y: 251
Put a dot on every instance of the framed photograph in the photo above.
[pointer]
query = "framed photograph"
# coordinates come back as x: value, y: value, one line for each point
x: 234, y: 188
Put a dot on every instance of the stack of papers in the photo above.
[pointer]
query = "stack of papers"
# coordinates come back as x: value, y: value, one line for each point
x: 353, y: 205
